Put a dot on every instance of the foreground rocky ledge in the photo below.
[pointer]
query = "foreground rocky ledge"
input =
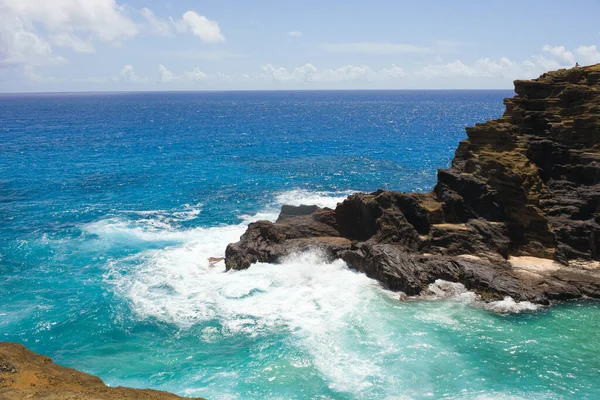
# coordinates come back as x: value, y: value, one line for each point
x: 517, y: 213
x: 26, y: 375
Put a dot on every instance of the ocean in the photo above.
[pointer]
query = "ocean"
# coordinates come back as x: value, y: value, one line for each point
x: 111, y: 204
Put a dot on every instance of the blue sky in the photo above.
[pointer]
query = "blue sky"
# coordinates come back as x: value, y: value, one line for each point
x: 99, y: 45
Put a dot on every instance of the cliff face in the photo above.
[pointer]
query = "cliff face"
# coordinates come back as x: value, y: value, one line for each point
x: 537, y: 168
x: 524, y: 185
x: 26, y: 375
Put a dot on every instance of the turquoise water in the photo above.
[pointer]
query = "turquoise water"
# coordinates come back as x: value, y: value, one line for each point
x: 110, y: 206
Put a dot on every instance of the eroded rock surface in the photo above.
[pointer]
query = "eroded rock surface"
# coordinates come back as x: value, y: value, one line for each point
x: 27, y: 375
x: 524, y: 185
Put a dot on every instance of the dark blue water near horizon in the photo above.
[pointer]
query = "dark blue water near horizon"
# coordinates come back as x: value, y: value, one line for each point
x: 235, y: 144
x: 111, y: 203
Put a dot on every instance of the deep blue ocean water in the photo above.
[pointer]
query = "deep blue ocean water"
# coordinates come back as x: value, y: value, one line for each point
x: 110, y: 205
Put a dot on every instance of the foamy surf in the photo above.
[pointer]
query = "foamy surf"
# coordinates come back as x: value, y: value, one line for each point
x: 322, y: 199
x: 454, y: 291
x: 317, y: 303
x: 344, y: 321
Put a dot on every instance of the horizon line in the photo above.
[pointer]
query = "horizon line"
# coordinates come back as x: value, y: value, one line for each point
x: 248, y: 90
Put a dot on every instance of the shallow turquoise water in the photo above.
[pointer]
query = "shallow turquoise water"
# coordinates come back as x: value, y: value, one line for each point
x: 110, y: 206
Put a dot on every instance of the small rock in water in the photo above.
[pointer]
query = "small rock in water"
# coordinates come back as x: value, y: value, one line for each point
x: 212, y: 261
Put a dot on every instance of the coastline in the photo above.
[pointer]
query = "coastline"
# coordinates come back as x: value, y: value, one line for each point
x: 25, y: 374
x: 524, y: 185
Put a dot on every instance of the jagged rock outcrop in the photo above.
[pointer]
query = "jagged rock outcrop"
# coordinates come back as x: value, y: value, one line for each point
x: 27, y: 375
x: 524, y: 185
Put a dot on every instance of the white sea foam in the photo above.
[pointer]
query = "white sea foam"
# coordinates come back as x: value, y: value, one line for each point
x: 509, y: 305
x: 312, y: 300
x: 148, y: 230
x: 339, y: 317
x: 186, y: 212
x: 316, y: 302
x: 322, y: 199
x: 441, y: 289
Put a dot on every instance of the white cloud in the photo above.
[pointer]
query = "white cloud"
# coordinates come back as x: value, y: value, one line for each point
x: 63, y: 22
x: 546, y: 64
x: 346, y: 73
x: 560, y: 54
x: 128, y: 75
x: 195, y: 75
x: 503, y: 68
x: 157, y: 26
x: 374, y: 48
x: 104, y: 19
x: 165, y: 76
x: 480, y: 73
x: 295, y: 34
x: 588, y: 55
x: 207, y: 30
x: 310, y: 73
x: 72, y: 41
x: 20, y: 44
x: 394, y: 72
x: 506, y: 70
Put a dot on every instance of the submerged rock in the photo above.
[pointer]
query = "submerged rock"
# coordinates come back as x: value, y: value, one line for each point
x: 524, y: 185
x: 27, y: 375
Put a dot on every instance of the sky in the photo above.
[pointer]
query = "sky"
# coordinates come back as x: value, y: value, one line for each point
x: 137, y: 45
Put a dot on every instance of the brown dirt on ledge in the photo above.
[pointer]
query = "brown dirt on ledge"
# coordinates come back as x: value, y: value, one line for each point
x: 27, y: 375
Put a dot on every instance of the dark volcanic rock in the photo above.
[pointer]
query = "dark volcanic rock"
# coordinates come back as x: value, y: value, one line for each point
x: 524, y: 185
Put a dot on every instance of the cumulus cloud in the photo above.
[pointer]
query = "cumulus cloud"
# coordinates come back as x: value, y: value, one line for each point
x: 483, y: 67
x: 30, y: 30
x: 20, y: 45
x: 128, y: 75
x: 560, y: 54
x: 207, y: 30
x: 374, y: 48
x: 195, y: 75
x: 164, y: 75
x: 506, y: 70
x: 295, y: 34
x: 479, y: 73
x: 310, y: 73
x: 588, y: 54
x: 63, y: 21
x: 104, y: 19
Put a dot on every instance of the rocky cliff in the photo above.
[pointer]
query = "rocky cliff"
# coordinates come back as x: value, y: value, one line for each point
x: 517, y: 213
x: 26, y: 375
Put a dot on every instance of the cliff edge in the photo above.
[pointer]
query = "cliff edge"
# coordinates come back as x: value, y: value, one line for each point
x: 27, y: 375
x: 517, y: 213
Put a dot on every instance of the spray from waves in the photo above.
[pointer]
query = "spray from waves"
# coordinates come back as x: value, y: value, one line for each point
x: 444, y: 290
x: 176, y: 283
x: 322, y: 199
x: 321, y: 305
x: 163, y: 226
x: 339, y: 317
